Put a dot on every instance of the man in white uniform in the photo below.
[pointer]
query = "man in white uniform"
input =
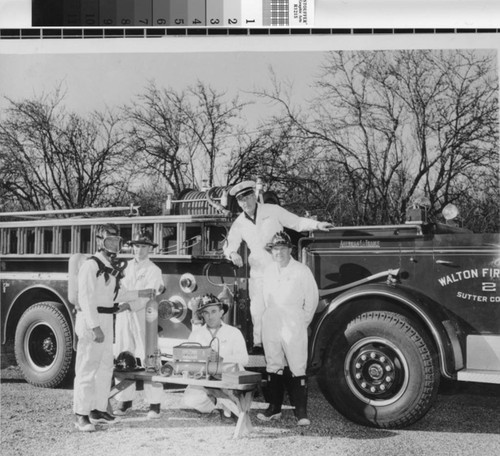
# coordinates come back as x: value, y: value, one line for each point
x: 256, y: 225
x: 291, y: 298
x: 227, y: 341
x: 130, y: 325
x: 94, y: 329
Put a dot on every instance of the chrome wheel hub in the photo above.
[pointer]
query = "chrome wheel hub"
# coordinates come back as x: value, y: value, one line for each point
x: 376, y: 371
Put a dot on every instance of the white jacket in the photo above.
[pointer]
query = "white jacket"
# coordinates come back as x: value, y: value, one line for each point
x: 270, y: 219
x: 131, y: 325
x: 228, y: 341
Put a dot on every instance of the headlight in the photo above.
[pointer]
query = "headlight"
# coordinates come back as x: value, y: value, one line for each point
x: 187, y: 283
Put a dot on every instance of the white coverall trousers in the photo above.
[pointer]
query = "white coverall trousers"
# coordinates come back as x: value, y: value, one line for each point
x: 284, y: 333
x: 197, y: 398
x: 93, y: 367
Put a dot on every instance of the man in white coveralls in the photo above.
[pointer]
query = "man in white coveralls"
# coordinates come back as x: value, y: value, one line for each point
x: 256, y: 225
x: 97, y: 292
x: 290, y: 298
x: 130, y: 325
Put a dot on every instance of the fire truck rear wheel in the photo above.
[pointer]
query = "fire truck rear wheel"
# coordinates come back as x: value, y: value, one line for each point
x: 43, y: 345
x: 382, y: 371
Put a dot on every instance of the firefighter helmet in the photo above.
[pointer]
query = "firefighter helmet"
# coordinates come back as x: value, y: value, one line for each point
x: 280, y: 238
x: 145, y: 237
x: 125, y: 362
x: 208, y: 300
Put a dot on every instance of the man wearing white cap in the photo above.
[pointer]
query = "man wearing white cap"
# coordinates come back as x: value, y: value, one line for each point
x: 256, y: 225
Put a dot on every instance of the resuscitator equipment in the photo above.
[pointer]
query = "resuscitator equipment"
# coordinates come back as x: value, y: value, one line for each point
x: 192, y: 360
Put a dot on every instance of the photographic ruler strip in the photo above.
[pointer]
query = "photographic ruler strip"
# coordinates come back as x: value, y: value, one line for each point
x: 173, y: 13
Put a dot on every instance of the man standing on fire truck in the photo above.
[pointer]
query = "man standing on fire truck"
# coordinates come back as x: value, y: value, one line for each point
x: 256, y: 225
x: 97, y: 290
x: 291, y: 298
x: 130, y: 325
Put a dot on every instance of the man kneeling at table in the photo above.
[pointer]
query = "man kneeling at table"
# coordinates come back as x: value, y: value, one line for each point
x: 228, y: 341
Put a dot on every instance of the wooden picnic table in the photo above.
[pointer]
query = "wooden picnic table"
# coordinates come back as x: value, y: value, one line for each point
x: 239, y: 394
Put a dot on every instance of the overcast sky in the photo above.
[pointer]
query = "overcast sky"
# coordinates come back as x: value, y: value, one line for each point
x: 94, y: 81
x: 98, y: 73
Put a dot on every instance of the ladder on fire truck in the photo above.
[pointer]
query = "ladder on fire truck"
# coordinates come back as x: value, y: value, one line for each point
x: 133, y: 211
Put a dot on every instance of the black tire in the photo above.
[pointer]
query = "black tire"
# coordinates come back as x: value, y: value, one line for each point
x: 44, y: 345
x: 382, y: 371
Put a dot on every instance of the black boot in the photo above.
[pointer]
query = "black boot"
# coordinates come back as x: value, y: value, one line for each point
x: 154, y: 411
x: 298, y: 387
x: 276, y: 390
x: 122, y: 408
x: 288, y: 381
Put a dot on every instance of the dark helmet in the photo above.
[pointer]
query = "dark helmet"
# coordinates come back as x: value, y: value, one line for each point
x: 280, y: 238
x: 209, y: 300
x: 125, y: 362
x: 145, y: 237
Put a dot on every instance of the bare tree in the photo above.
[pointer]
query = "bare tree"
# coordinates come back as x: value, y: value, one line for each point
x: 182, y: 135
x: 287, y: 159
x: 52, y: 159
x: 395, y: 125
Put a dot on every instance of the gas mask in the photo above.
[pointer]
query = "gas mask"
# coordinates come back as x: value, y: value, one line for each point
x: 112, y: 244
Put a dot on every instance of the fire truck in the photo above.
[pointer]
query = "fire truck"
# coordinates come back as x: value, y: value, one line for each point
x: 401, y: 306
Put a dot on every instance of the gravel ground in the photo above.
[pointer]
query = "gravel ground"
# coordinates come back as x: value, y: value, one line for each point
x: 38, y: 421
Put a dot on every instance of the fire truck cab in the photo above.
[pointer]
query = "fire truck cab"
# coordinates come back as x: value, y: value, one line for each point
x: 402, y: 307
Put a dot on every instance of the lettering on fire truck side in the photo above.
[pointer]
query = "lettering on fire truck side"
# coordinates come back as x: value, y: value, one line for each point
x: 359, y: 243
x: 478, y: 273
x: 490, y: 273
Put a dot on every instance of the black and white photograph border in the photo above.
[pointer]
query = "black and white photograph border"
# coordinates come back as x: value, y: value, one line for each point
x: 264, y: 94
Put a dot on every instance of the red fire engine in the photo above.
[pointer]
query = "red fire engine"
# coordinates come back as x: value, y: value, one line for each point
x: 401, y: 306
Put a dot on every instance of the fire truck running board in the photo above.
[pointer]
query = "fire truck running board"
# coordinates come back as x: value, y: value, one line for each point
x: 476, y: 375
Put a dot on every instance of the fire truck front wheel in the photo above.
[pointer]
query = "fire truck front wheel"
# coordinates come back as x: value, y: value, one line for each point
x: 382, y: 371
x: 43, y: 345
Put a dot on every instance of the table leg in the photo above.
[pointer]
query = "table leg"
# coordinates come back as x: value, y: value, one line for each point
x: 126, y: 382
x: 243, y: 402
x: 244, y: 424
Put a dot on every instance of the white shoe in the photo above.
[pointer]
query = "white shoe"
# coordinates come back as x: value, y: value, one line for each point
x: 263, y: 417
x: 152, y: 415
x: 227, y: 406
x: 304, y: 422
x: 83, y: 424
